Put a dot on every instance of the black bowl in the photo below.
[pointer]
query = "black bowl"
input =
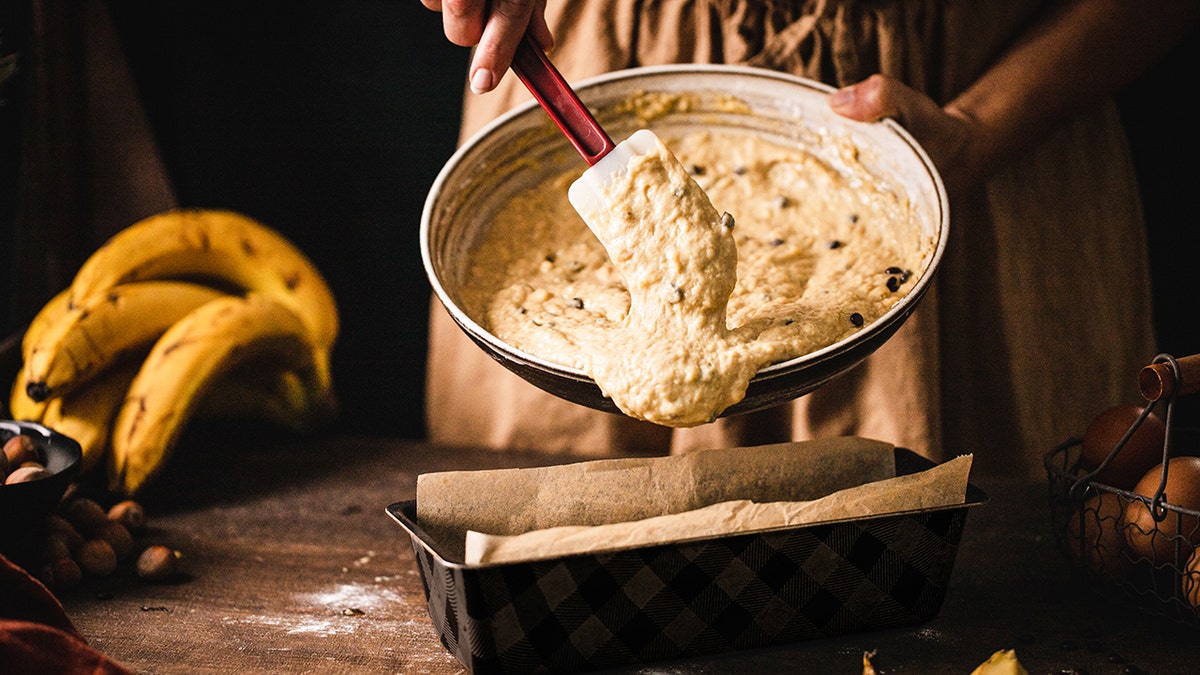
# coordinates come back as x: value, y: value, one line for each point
x: 25, y: 507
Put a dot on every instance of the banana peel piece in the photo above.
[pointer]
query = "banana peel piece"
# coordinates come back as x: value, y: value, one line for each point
x: 1003, y: 662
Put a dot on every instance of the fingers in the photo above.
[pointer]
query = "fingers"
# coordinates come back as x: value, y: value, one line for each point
x: 880, y: 96
x: 462, y: 20
x: 506, y: 25
x: 867, y: 101
x: 949, y: 139
x: 538, y: 27
x: 494, y: 29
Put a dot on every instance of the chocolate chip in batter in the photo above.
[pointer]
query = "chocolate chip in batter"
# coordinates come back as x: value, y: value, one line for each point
x: 853, y: 218
x: 782, y: 202
x: 856, y: 320
x: 726, y: 221
x: 577, y: 303
x: 835, y: 244
x: 696, y: 170
x: 777, y: 241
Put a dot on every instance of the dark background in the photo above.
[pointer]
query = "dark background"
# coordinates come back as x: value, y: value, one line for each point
x: 330, y: 120
x: 1164, y: 135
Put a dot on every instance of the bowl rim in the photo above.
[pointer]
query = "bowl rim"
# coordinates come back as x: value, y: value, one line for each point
x: 875, y: 329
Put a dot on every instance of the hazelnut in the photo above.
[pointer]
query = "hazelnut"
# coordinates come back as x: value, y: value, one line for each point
x: 20, y: 449
x: 65, y: 573
x: 117, y: 535
x: 129, y: 513
x: 61, y: 527
x: 86, y: 515
x: 157, y: 563
x: 97, y: 558
x: 26, y: 473
x: 55, y: 547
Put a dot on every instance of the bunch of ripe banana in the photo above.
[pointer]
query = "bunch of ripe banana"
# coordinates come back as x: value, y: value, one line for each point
x: 188, y: 312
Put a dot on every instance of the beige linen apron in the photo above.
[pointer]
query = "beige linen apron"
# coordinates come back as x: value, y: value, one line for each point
x: 1040, y: 316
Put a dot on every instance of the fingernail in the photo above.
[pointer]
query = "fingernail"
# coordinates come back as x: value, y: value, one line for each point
x: 842, y: 97
x: 481, y: 81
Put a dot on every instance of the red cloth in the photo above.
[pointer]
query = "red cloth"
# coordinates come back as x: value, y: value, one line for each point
x: 35, y: 634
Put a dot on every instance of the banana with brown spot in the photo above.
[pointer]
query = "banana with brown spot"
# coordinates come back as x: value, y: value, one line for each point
x: 86, y: 414
x: 93, y: 334
x: 197, y: 351
x: 223, y: 247
x: 20, y: 406
x: 48, y: 315
x: 280, y: 397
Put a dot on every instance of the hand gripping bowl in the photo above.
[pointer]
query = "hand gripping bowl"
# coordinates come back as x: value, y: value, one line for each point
x: 523, y: 149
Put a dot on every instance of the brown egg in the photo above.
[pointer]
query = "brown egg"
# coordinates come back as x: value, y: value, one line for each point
x: 1143, y: 451
x: 1157, y: 540
x: 1191, y: 579
x: 1100, y: 520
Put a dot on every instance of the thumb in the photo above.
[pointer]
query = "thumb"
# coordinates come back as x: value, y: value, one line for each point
x: 861, y: 101
x: 880, y: 96
x: 868, y: 101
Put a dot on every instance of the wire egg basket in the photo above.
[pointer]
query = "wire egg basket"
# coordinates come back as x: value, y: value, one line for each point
x: 1142, y: 547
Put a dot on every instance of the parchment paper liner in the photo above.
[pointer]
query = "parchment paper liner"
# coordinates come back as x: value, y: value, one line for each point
x: 526, y: 514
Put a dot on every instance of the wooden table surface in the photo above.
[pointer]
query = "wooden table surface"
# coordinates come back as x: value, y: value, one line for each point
x: 292, y: 566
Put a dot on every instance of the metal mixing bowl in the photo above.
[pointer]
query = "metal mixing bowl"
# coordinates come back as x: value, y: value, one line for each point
x: 523, y: 149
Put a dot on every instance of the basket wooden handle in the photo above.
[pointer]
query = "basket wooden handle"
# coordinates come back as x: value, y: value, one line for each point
x: 1157, y: 380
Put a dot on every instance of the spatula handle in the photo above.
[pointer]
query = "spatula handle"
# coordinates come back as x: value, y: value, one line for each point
x: 560, y: 101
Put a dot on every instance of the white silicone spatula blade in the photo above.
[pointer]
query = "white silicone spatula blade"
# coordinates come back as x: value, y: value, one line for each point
x: 586, y: 194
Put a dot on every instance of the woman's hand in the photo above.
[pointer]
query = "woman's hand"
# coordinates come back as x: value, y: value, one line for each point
x: 1077, y: 54
x: 494, y: 29
x: 947, y: 135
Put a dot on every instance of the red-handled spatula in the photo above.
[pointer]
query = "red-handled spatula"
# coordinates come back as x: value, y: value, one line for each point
x: 563, y: 106
x: 560, y: 101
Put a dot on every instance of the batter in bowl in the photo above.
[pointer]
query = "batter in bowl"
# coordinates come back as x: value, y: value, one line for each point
x: 729, y: 254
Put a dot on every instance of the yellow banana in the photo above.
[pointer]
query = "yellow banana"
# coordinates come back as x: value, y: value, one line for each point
x: 101, y: 329
x: 49, y: 314
x: 280, y: 397
x: 20, y: 406
x: 195, y: 352
x: 225, y: 247
x: 86, y: 414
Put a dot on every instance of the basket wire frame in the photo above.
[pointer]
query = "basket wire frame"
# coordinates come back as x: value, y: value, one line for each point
x: 1091, y: 525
